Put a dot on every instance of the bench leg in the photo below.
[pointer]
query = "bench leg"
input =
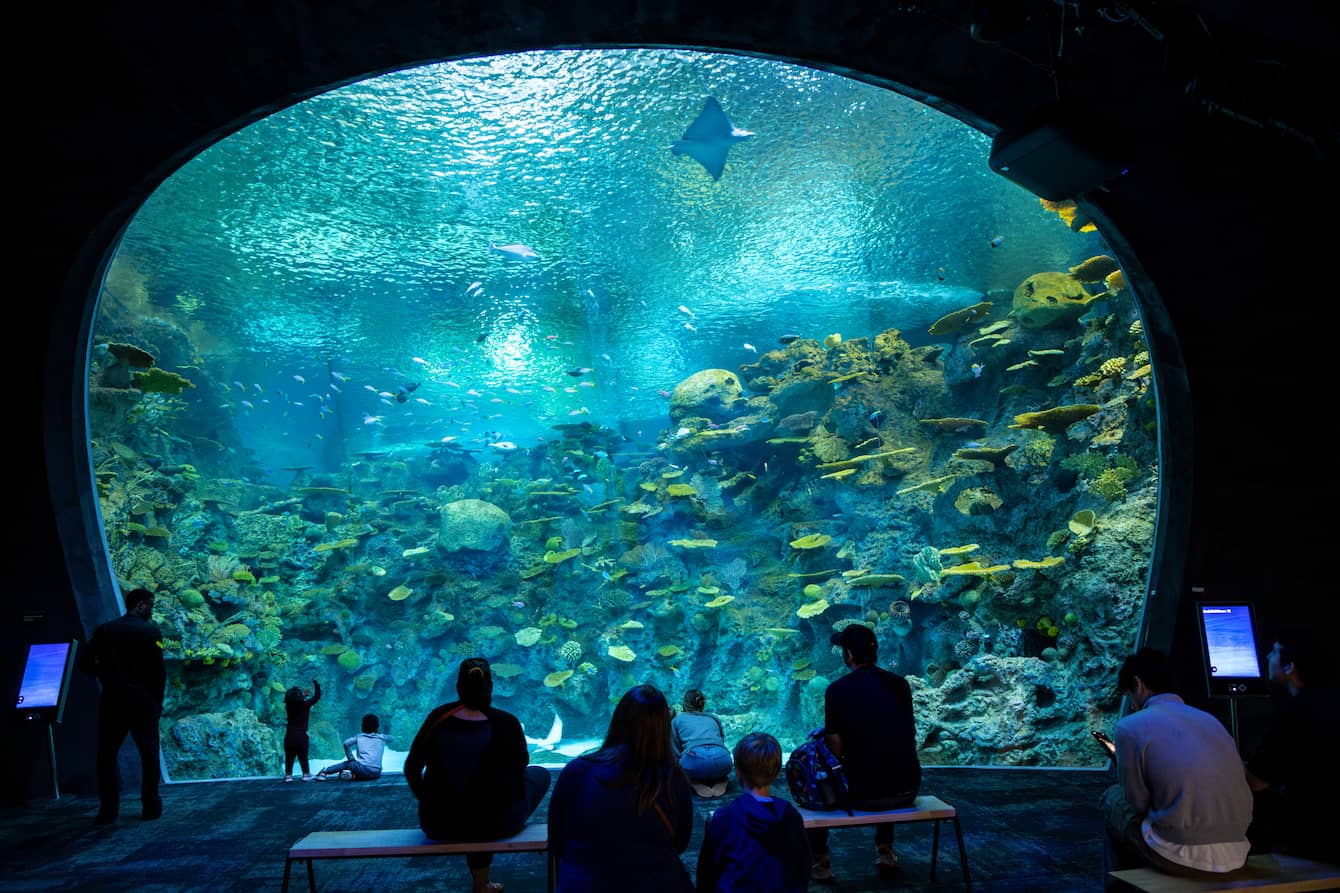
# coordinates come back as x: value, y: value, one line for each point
x: 935, y: 847
x: 549, y: 871
x: 962, y: 854
x: 288, y: 864
x: 311, y: 877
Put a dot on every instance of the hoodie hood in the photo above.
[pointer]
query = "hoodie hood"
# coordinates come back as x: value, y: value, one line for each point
x: 763, y: 819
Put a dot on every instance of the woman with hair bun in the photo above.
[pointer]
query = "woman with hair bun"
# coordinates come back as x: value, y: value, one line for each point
x: 620, y: 817
x: 468, y: 769
x: 700, y: 742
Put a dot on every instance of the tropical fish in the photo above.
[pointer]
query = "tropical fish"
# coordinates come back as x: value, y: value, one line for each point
x: 372, y: 419
x: 368, y: 387
x: 423, y: 401
x: 339, y: 376
x: 749, y: 347
x: 997, y: 241
x: 977, y: 370
x: 683, y: 309
x: 580, y: 371
x: 299, y: 379
x: 248, y: 404
x: 505, y: 446
x: 514, y: 251
x: 690, y: 326
x: 787, y: 339
x: 474, y: 288
x: 709, y: 138
x: 420, y: 360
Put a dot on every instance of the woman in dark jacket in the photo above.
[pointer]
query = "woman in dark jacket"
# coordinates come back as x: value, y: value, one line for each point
x: 467, y: 767
x: 620, y: 817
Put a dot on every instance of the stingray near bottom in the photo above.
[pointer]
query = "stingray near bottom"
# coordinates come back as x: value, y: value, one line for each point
x: 709, y: 138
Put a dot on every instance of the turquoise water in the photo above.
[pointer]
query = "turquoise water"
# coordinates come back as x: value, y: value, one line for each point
x: 360, y: 358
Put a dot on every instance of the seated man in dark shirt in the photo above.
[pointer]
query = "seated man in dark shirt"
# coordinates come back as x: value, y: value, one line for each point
x: 1292, y: 773
x: 869, y: 725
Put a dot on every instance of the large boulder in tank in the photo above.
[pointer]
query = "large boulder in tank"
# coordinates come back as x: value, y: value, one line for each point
x: 472, y: 524
x: 221, y: 745
x: 714, y: 394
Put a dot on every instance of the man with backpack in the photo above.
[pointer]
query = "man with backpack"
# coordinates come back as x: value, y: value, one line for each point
x: 869, y: 727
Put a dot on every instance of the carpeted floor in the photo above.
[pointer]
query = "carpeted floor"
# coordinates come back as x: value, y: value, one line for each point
x: 1027, y: 831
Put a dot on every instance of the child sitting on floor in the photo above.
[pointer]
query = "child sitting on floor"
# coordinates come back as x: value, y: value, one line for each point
x: 758, y: 842
x: 364, y: 752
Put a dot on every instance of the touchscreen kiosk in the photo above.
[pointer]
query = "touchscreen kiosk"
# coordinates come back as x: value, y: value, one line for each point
x: 1228, y: 642
x: 46, y: 681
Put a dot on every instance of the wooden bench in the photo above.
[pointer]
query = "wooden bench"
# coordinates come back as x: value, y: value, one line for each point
x: 1262, y: 874
x: 926, y: 809
x: 407, y: 842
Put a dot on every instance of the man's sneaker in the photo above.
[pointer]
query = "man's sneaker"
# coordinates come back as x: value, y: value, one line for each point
x: 346, y: 775
x: 321, y: 776
x: 822, y: 870
x: 885, y: 858
x: 288, y: 778
x: 309, y: 777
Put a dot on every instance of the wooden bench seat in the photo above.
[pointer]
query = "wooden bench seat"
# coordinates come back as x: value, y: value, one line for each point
x: 926, y: 809
x: 406, y: 842
x: 1262, y: 874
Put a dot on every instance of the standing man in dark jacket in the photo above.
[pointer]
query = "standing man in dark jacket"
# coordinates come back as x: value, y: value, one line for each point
x: 869, y: 725
x: 126, y: 654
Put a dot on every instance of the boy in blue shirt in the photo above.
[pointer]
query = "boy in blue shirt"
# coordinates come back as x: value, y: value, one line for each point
x: 758, y: 842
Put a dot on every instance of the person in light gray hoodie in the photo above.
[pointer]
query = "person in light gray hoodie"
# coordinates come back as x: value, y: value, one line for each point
x: 1182, y: 805
x: 364, y: 752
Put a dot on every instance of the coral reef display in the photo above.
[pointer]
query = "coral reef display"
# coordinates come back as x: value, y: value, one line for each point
x: 986, y: 505
x: 454, y: 361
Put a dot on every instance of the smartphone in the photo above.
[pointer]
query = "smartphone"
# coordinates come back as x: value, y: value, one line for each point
x: 1105, y: 743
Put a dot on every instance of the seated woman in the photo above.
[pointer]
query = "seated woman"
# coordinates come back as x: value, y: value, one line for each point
x: 700, y: 743
x: 468, y: 769
x: 620, y: 817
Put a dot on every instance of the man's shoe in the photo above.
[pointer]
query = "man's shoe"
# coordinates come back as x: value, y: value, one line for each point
x: 821, y: 871
x: 152, y: 812
x: 308, y: 777
x: 886, y: 859
x: 288, y: 778
x: 105, y: 818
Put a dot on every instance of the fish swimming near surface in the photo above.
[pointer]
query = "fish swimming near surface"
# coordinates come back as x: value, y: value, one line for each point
x: 514, y: 251
x: 749, y: 347
x: 683, y: 309
x: 709, y: 138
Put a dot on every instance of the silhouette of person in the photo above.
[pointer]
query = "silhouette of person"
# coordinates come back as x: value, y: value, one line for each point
x: 126, y: 654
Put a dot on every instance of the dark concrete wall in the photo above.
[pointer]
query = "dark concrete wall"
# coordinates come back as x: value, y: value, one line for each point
x: 1226, y: 158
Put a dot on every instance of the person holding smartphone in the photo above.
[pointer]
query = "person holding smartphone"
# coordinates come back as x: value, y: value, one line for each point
x: 1182, y: 805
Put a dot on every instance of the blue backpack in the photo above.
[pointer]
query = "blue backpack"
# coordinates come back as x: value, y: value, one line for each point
x: 815, y: 777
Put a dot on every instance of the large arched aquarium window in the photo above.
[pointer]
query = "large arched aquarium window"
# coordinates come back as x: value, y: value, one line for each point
x: 613, y: 367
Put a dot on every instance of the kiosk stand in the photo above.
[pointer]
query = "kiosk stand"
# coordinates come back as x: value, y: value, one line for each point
x: 42, y: 693
x: 1232, y: 661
